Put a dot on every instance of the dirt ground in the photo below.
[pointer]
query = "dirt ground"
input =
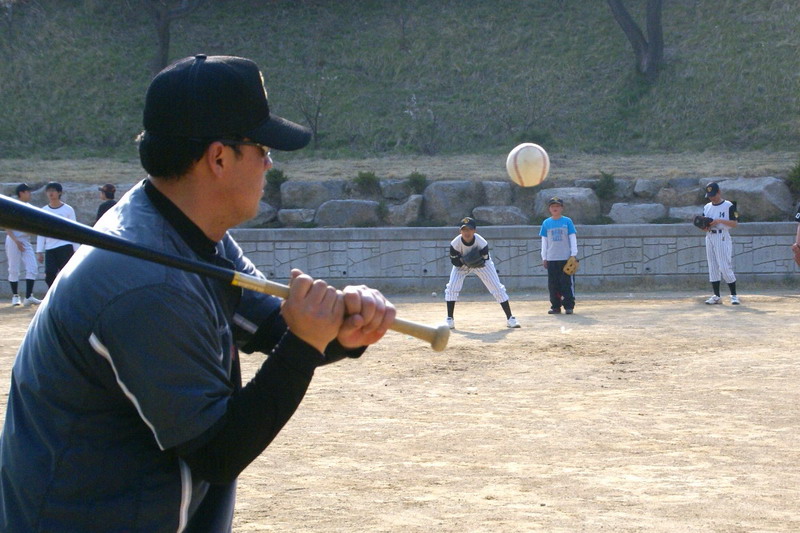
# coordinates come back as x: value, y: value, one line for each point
x: 639, y: 413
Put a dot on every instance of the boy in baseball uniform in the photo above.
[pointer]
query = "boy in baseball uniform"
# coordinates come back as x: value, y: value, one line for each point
x: 469, y: 253
x: 559, y: 243
x: 719, y: 247
x: 19, y: 250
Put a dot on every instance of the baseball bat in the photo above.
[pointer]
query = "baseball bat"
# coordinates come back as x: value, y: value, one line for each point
x: 20, y: 216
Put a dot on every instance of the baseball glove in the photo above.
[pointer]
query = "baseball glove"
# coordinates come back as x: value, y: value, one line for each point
x: 702, y: 222
x: 571, y: 267
x: 796, y: 251
x: 473, y: 259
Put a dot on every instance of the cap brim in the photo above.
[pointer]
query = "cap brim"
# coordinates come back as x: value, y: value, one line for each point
x: 280, y: 134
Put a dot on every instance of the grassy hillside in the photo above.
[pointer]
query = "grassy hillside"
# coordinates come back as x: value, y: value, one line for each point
x: 419, y: 77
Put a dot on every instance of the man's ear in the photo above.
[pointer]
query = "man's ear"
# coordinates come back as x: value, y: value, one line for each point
x: 215, y: 157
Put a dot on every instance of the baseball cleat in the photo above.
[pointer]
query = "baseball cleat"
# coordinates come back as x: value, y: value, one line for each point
x: 31, y: 300
x: 554, y: 311
x: 734, y: 299
x: 569, y: 311
x: 512, y: 323
x: 451, y: 323
x: 15, y: 300
x: 714, y: 300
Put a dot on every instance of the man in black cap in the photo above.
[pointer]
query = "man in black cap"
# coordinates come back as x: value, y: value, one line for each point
x: 107, y: 195
x: 19, y: 251
x: 719, y: 246
x: 126, y: 410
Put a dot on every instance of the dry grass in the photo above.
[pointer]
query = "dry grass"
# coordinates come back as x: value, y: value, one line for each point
x: 564, y: 166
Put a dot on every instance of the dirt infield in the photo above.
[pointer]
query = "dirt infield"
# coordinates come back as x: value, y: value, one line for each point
x: 638, y: 413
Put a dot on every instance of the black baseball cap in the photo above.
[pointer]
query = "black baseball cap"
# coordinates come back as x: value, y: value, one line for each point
x: 54, y: 185
x: 712, y: 189
x: 108, y: 188
x: 555, y: 200
x: 22, y: 187
x: 468, y: 222
x: 211, y: 97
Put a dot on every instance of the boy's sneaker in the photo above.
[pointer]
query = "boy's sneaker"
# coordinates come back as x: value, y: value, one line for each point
x: 15, y: 300
x: 734, y: 299
x: 451, y: 323
x: 714, y: 300
x: 554, y: 311
x: 31, y: 300
x: 512, y: 323
x: 569, y: 311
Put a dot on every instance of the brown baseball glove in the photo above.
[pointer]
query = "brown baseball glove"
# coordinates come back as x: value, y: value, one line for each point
x: 571, y: 267
x: 702, y: 222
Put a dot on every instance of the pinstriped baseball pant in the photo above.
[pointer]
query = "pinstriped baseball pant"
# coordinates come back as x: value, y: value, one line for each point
x: 719, y: 252
x: 27, y: 257
x: 487, y: 274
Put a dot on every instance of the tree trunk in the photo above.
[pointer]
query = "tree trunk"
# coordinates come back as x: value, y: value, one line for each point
x: 649, y: 52
x: 163, y: 14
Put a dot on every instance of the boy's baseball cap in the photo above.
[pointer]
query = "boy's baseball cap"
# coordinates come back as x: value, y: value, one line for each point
x: 468, y: 222
x: 54, y: 185
x: 555, y: 200
x: 211, y: 97
x: 712, y: 189
x: 108, y: 188
x: 22, y: 187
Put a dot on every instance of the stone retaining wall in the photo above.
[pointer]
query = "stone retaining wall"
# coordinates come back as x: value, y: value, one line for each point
x: 646, y: 256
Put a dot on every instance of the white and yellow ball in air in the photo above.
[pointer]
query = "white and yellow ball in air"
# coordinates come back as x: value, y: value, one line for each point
x: 528, y: 165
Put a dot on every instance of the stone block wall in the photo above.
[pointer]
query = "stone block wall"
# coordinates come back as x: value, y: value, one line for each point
x: 616, y: 256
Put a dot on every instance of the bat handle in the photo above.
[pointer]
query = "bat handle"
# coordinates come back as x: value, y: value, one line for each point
x: 436, y: 336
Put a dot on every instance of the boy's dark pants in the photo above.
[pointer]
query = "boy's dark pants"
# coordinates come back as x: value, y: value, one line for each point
x: 560, y: 286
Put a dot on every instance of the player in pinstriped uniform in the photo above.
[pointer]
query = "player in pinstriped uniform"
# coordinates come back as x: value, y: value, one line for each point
x: 796, y: 245
x: 468, y: 244
x: 719, y: 246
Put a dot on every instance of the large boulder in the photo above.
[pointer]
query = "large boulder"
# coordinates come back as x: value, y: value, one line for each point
x: 406, y: 213
x: 447, y: 202
x: 647, y: 188
x: 296, y: 217
x: 685, y: 213
x: 266, y: 214
x: 497, y: 193
x: 625, y: 213
x: 680, y: 191
x: 310, y: 194
x: 395, y: 189
x: 500, y: 215
x: 347, y: 214
x: 758, y: 198
x: 580, y: 203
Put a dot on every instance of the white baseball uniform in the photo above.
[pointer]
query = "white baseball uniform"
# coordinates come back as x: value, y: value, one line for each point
x: 26, y: 257
x: 719, y: 246
x: 487, y: 273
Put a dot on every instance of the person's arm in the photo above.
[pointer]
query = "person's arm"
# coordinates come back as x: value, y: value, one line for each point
x: 455, y: 257
x: 573, y: 245
x: 256, y: 414
x: 797, y: 238
x: 545, y: 246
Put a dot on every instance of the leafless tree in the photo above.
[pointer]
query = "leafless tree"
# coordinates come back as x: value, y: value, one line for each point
x: 163, y: 13
x: 649, y: 51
